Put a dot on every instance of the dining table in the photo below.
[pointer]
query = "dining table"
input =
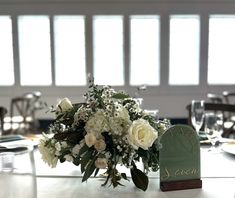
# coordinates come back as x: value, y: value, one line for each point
x: 65, y: 180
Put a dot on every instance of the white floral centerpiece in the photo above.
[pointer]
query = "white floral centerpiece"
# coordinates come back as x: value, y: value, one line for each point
x: 109, y: 129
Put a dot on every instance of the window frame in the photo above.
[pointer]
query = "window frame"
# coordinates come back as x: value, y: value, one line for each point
x: 125, y: 8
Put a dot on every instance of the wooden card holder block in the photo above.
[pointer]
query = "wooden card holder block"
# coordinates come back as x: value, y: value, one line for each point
x: 181, y: 185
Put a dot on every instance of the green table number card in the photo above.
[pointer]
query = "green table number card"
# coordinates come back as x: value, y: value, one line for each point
x: 180, y: 159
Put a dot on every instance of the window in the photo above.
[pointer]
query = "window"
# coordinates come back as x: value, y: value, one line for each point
x: 221, y: 60
x: 184, y: 50
x: 108, y: 50
x: 144, y: 50
x: 6, y: 51
x: 34, y: 50
x: 69, y: 35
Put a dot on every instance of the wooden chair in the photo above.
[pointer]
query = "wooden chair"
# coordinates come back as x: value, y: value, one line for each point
x: 229, y: 97
x: 215, y: 98
x: 22, y: 113
x: 228, y: 124
x: 3, y: 112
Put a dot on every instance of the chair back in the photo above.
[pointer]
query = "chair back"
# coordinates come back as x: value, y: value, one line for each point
x: 22, y: 112
x: 3, y: 112
x: 229, y: 97
x: 214, y: 98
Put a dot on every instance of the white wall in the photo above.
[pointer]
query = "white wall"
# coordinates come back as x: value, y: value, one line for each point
x: 171, y: 101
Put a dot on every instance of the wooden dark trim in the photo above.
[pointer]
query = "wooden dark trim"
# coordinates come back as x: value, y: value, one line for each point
x: 181, y: 185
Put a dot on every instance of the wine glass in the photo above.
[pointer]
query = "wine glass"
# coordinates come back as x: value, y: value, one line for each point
x: 197, y: 114
x: 213, y: 128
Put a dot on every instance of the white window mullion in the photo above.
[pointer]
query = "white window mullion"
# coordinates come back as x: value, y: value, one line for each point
x: 126, y: 40
x: 52, y: 44
x: 164, y: 50
x: 204, y: 32
x: 89, y: 44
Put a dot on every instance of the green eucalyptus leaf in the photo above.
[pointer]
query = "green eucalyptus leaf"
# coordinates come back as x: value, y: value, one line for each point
x: 139, y: 179
x: 96, y: 172
x: 120, y: 184
x: 62, y: 160
x: 85, y: 160
x: 76, y: 161
x: 58, y: 117
x: 120, y: 96
x: 89, y: 170
x: 83, y: 149
x: 124, y: 176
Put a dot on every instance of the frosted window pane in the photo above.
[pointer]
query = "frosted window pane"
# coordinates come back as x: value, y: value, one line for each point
x: 69, y: 50
x: 221, y: 59
x: 34, y: 48
x: 6, y: 52
x: 108, y: 50
x: 184, y: 50
x: 144, y: 50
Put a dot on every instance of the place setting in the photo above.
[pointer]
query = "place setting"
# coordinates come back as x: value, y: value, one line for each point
x: 209, y: 126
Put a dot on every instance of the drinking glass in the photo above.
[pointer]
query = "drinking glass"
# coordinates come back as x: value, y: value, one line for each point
x: 213, y: 128
x: 197, y: 114
x: 17, y: 173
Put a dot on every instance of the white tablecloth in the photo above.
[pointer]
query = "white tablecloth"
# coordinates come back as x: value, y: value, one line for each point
x: 217, y: 173
x: 64, y: 181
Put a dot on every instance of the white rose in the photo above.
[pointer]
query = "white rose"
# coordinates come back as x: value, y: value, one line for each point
x: 90, y: 139
x: 101, y: 163
x: 141, y: 134
x: 64, y: 105
x: 48, y: 154
x: 100, y: 145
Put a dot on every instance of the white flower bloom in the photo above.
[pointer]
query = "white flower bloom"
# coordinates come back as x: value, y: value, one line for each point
x: 101, y: 163
x: 48, y: 154
x: 76, y: 149
x: 57, y: 153
x: 122, y: 112
x: 119, y: 126
x: 68, y: 158
x: 64, y: 144
x: 100, y: 145
x: 57, y: 146
x: 107, y: 155
x: 141, y: 134
x: 97, y: 124
x: 90, y: 139
x: 64, y: 105
x: 82, y: 114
